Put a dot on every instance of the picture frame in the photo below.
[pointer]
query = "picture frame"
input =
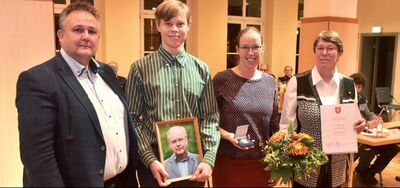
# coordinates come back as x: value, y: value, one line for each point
x: 193, y: 146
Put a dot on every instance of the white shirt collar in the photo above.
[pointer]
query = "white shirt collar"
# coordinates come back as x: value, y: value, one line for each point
x: 186, y: 159
x: 76, y: 67
x: 316, y: 77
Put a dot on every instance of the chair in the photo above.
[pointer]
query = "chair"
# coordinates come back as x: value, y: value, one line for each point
x: 353, y: 166
x: 384, y: 99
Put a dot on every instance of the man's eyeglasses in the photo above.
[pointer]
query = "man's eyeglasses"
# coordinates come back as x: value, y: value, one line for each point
x: 253, y: 48
x: 329, y: 49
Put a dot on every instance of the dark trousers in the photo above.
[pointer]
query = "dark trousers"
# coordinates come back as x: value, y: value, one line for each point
x: 114, y: 182
x: 367, y: 153
x: 145, y: 176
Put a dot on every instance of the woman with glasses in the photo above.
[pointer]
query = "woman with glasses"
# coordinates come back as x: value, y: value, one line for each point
x: 306, y: 92
x: 247, y: 100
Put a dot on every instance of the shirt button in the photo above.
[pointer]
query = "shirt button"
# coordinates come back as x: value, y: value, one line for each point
x: 116, y: 133
x: 176, y: 85
x: 178, y: 115
x: 102, y: 148
x: 109, y: 116
x: 120, y: 151
x: 101, y: 171
x: 177, y: 100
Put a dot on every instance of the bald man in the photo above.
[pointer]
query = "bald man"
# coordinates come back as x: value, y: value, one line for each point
x: 181, y: 162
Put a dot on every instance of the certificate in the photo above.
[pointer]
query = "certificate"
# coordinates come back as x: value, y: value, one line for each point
x: 338, y: 135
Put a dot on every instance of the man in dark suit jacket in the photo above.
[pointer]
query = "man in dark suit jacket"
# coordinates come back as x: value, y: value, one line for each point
x: 73, y: 120
x: 121, y: 80
x: 288, y: 74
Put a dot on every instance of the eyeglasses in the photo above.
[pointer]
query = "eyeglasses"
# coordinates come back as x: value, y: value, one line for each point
x: 247, y: 49
x: 329, y: 49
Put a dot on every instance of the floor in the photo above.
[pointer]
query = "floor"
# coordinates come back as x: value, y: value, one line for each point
x: 388, y: 176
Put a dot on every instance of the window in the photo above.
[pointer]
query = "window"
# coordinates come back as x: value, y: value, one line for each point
x: 56, y: 28
x: 300, y: 10
x: 241, y: 14
x: 151, y: 39
x: 300, y: 15
x: 89, y: 1
x: 60, y: 2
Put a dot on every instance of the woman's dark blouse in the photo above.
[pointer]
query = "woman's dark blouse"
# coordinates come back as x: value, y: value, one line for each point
x: 238, y: 96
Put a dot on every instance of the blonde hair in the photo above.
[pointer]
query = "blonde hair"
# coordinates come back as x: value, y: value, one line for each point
x: 170, y: 8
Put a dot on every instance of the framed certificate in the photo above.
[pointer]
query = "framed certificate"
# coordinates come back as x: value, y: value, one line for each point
x: 338, y: 135
x: 179, y: 147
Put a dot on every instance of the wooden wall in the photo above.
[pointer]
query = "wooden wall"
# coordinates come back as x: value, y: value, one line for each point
x: 27, y: 39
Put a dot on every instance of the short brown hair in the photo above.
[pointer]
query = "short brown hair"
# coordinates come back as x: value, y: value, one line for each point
x: 359, y: 79
x: 329, y: 36
x: 170, y: 8
x: 246, y: 30
x: 77, y: 6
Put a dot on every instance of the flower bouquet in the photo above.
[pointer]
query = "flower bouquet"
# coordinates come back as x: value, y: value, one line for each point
x: 289, y: 155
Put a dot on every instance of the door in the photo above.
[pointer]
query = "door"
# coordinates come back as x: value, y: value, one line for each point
x: 377, y: 63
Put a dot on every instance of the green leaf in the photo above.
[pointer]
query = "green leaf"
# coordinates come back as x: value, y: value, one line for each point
x: 290, y: 128
x: 284, y: 166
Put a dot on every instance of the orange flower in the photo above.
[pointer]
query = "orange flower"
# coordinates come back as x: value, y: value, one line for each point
x: 277, y: 137
x: 296, y: 149
x: 306, y: 136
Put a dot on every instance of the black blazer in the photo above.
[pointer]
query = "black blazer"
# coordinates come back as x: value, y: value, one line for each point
x: 61, y: 142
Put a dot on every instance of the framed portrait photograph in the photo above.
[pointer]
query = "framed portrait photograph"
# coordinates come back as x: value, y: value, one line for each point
x: 179, y: 147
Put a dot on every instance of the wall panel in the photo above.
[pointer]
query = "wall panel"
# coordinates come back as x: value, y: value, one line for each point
x: 27, y: 39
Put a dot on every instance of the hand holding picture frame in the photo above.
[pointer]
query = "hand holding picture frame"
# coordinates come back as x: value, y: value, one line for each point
x: 179, y: 147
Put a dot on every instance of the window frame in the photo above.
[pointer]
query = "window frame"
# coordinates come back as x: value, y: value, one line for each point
x: 244, y: 21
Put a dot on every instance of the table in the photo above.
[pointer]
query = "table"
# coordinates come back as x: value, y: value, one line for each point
x: 374, y: 141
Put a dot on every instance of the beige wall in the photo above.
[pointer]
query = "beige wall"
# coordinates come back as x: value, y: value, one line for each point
x: 208, y: 36
x: 280, y: 40
x: 121, y: 33
x: 26, y: 38
x: 349, y: 33
x: 385, y: 13
x: 337, y: 8
x: 339, y: 17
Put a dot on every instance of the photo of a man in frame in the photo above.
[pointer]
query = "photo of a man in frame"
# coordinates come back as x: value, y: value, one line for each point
x: 181, y: 163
